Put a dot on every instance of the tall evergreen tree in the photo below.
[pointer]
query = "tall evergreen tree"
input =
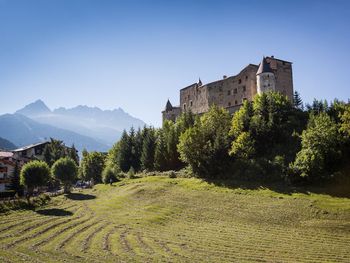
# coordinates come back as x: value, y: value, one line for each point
x: 297, y: 101
x: 160, y: 155
x: 72, y: 153
x: 148, y: 148
x: 125, y: 152
x: 15, y: 184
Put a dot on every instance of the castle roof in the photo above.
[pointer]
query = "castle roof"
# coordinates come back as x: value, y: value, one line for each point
x: 168, y: 106
x: 264, y: 67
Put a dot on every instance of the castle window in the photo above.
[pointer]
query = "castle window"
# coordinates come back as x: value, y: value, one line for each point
x: 246, y: 77
x: 243, y: 88
x: 239, y: 81
x: 184, y: 106
x: 235, y: 91
x: 229, y: 104
x: 236, y: 102
x: 191, y: 103
x: 229, y: 92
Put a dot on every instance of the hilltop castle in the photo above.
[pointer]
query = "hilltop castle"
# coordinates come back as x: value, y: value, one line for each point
x: 230, y: 92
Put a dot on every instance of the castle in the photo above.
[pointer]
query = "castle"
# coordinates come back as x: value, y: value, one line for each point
x: 231, y: 92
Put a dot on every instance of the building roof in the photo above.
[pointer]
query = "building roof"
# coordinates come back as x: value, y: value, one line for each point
x: 30, y: 146
x: 168, y: 106
x: 6, y: 154
x: 264, y: 67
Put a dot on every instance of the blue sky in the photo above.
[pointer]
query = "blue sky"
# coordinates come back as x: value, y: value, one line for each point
x: 137, y: 54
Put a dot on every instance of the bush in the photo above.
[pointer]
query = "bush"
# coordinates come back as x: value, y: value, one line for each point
x: 66, y: 171
x: 109, y: 175
x: 35, y: 174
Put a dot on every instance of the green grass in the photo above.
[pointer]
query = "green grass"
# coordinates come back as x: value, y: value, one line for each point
x: 156, y: 219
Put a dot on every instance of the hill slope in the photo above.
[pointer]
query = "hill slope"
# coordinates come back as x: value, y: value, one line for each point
x: 23, y: 131
x: 158, y: 219
x: 6, y: 144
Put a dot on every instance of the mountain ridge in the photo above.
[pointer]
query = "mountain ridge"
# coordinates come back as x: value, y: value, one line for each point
x: 22, y: 131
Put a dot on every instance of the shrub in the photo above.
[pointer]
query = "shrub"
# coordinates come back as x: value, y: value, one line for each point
x: 109, y: 175
x: 66, y: 171
x: 34, y: 174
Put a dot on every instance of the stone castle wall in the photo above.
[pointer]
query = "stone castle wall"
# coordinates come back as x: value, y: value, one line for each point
x: 230, y: 92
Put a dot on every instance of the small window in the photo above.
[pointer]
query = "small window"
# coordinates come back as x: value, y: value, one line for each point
x: 236, y: 102
x: 229, y: 92
x: 235, y: 91
x: 246, y: 77
x: 229, y: 104
x: 188, y: 96
x: 239, y: 81
x: 191, y: 103
x: 243, y: 88
x: 184, y: 106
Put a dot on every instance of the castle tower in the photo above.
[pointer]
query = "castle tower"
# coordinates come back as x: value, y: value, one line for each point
x: 265, y: 77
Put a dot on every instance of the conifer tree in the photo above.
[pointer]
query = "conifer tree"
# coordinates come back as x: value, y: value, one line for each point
x: 125, y: 152
x: 160, y: 155
x: 297, y: 101
x: 15, y: 184
x: 148, y: 148
x: 73, y: 154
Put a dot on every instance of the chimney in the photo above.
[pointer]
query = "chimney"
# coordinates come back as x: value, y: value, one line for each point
x: 224, y: 77
x: 272, y: 56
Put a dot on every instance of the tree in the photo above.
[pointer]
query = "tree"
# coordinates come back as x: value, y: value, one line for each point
x: 15, y: 184
x: 148, y: 149
x: 34, y: 174
x: 53, y: 151
x: 297, y: 101
x: 92, y: 166
x: 73, y: 154
x: 320, y: 152
x: 125, y: 152
x: 109, y: 175
x: 160, y: 155
x: 205, y: 145
x: 65, y: 170
x: 345, y: 121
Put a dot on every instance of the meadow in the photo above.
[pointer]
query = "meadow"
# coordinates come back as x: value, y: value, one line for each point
x: 161, y: 219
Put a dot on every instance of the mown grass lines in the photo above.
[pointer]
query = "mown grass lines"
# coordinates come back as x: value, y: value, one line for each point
x: 158, y: 221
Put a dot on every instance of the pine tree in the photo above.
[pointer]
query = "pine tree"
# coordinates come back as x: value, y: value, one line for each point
x: 297, y: 101
x: 125, y: 152
x: 72, y: 153
x: 160, y: 155
x: 15, y: 184
x: 47, y: 155
x: 148, y: 148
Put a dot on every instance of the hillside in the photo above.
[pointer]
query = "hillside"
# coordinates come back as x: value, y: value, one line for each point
x: 6, y: 144
x: 24, y: 131
x: 158, y: 219
x: 105, y: 126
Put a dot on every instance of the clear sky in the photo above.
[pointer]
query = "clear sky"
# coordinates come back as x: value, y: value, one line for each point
x: 137, y: 54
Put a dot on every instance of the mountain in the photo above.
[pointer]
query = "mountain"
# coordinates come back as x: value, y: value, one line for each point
x: 106, y: 126
x: 22, y: 131
x: 6, y: 144
x: 36, y: 108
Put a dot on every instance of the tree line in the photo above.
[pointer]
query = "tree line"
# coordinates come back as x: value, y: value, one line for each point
x: 267, y: 139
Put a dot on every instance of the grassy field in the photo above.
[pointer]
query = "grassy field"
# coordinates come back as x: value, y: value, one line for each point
x: 155, y: 219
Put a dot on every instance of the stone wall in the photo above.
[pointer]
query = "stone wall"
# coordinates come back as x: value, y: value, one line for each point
x: 194, y: 98
x: 283, y: 76
x: 230, y: 92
